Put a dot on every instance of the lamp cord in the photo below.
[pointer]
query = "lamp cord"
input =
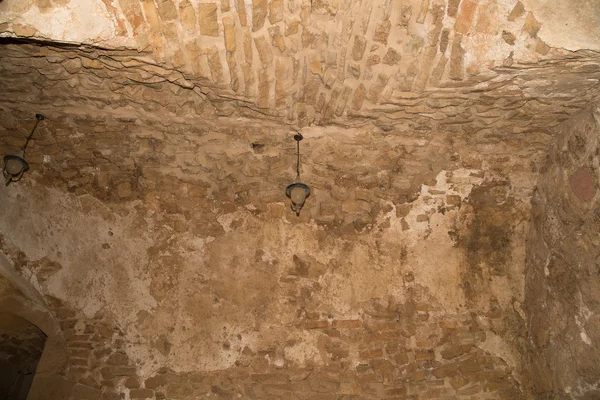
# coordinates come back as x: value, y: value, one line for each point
x: 29, y: 137
x: 298, y: 161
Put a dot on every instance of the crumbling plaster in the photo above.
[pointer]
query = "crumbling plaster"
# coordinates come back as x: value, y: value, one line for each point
x: 571, y: 25
x: 154, y: 223
x: 215, y: 289
x: 88, y: 22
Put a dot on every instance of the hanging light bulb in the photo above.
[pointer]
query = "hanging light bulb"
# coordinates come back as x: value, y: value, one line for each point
x: 297, y: 191
x: 15, y: 166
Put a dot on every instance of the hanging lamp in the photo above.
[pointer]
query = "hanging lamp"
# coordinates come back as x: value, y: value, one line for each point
x: 15, y: 166
x: 297, y: 192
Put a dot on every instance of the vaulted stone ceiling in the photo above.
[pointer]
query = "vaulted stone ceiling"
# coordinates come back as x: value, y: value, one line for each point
x: 425, y: 85
x: 324, y: 61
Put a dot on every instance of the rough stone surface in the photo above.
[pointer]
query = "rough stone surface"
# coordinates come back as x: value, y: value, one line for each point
x: 490, y: 48
x: 154, y: 223
x: 563, y: 266
x: 583, y: 184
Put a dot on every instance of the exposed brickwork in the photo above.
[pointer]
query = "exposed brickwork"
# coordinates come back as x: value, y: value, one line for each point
x: 374, y: 357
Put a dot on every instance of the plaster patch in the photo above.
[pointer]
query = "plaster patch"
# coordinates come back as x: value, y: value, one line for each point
x: 80, y: 21
x: 303, y: 352
x: 572, y: 25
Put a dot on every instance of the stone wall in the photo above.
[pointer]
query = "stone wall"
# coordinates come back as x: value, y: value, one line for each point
x: 393, y: 301
x: 563, y: 264
x: 154, y: 224
x: 164, y: 244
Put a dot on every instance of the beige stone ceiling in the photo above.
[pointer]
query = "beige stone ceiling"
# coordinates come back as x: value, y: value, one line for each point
x: 325, y: 61
x: 389, y: 93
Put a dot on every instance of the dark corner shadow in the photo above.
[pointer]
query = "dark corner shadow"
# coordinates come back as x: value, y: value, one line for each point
x: 48, y: 43
x: 39, y: 42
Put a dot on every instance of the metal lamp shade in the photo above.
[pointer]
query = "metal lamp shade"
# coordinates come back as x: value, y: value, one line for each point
x: 297, y: 192
x: 14, y: 168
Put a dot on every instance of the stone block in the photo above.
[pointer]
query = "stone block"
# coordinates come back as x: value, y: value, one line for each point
x: 531, y: 25
x: 207, y: 18
x: 315, y: 64
x: 155, y: 382
x: 264, y: 88
x: 275, y: 11
x: 82, y: 392
x: 358, y: 48
x: 316, y: 324
x: 291, y: 27
x: 371, y: 354
x: 465, y: 18
x: 452, y: 9
x: 359, y: 96
x: 277, y: 38
x: 124, y: 190
x: 229, y: 33
x: 187, y: 16
x: 424, y: 355
x: 381, y: 366
x: 417, y: 376
x: 215, y: 64
x: 406, y: 11
x: 509, y: 38
x: 241, y: 12
x: 542, y: 48
x: 264, y: 51
x: 457, y: 57
x: 356, y: 207
x: 117, y: 371
x: 445, y: 370
x: 422, y: 12
x: 132, y: 383
x: 141, y: 394
x: 259, y: 13
x: 347, y: 324
x: 517, y: 11
x: 24, y: 30
x: 377, y: 87
x: 382, y: 31
x: 281, y: 82
x: 167, y: 10
x: 583, y: 184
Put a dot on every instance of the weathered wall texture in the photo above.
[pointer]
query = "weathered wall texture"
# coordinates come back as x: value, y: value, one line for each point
x: 162, y: 241
x: 173, y: 287
x: 563, y: 266
x: 154, y: 224
x: 573, y: 24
